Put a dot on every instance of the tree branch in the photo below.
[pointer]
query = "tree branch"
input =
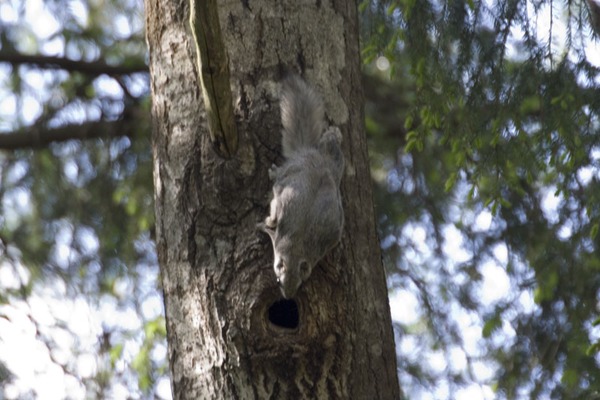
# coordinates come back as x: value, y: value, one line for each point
x: 36, y: 137
x: 85, y: 67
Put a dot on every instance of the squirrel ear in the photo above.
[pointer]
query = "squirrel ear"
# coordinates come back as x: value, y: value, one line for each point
x: 304, y: 270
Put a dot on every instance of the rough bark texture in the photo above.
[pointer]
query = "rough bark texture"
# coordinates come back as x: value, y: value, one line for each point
x: 225, y: 340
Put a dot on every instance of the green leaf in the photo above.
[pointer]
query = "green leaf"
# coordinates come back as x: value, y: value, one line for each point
x: 450, y: 182
x: 490, y: 326
x: 570, y: 378
x: 530, y: 105
x: 408, y: 122
x: 594, y: 231
x: 593, y: 349
x: 115, y: 353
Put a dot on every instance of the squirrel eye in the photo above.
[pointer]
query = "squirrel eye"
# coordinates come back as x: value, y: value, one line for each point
x: 304, y: 269
x: 279, y: 264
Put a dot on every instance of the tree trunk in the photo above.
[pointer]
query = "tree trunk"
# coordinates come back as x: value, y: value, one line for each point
x: 230, y: 334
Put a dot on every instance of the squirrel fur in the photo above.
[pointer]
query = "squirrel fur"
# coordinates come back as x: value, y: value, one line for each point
x: 306, y: 216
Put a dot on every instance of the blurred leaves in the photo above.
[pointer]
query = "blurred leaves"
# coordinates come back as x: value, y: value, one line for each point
x: 76, y: 217
x: 496, y: 157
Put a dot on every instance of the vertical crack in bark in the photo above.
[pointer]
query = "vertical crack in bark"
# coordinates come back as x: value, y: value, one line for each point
x: 191, y: 242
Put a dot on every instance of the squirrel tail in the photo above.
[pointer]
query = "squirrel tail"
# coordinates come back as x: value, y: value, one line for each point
x: 302, y: 116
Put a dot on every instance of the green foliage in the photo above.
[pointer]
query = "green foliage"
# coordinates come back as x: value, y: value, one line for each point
x: 501, y: 125
x: 142, y: 363
x: 76, y: 217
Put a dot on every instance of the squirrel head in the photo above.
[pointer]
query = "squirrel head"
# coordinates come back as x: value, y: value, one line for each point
x: 290, y: 273
x: 290, y: 265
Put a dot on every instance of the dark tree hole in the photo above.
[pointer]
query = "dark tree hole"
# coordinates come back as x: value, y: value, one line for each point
x: 284, y: 314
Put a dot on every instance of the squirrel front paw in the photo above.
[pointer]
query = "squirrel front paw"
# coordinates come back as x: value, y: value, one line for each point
x: 273, y: 172
x: 333, y: 132
x: 271, y: 222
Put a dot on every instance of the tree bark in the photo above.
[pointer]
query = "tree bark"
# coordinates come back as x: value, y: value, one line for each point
x: 230, y: 336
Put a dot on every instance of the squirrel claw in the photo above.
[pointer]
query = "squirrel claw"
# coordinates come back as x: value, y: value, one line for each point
x: 273, y: 172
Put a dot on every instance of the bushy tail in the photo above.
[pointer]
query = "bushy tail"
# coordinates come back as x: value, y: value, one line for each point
x: 302, y: 116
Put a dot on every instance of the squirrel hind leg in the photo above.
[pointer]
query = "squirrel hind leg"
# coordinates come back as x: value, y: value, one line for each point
x: 271, y: 220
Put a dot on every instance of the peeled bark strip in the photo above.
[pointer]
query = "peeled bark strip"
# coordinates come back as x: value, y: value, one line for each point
x: 230, y: 334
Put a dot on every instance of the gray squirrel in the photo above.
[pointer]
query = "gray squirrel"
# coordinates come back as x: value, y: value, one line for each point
x: 306, y: 217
